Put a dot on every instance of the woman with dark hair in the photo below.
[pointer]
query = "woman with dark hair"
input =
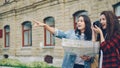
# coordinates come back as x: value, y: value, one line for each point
x: 109, y: 39
x: 82, y: 32
x: 87, y: 28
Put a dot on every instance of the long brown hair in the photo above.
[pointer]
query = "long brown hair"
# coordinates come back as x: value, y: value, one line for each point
x: 112, y: 23
x: 88, y: 30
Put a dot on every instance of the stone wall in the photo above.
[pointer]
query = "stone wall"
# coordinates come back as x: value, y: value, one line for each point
x: 16, y: 12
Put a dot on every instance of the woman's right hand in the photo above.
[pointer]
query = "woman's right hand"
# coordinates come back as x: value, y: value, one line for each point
x: 37, y: 23
x: 85, y: 57
x: 50, y: 29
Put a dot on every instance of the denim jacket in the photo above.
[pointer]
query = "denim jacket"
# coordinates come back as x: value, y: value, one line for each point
x: 69, y: 59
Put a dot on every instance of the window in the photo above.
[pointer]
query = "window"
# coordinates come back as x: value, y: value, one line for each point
x: 49, y: 39
x: 7, y: 35
x: 7, y: 1
x: 77, y: 14
x: 1, y: 33
x: 26, y: 34
x: 117, y: 9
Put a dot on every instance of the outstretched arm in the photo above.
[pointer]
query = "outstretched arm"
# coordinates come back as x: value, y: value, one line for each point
x: 37, y: 23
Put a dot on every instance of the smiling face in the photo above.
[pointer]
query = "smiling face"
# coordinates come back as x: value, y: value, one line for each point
x: 81, y: 24
x: 103, y: 21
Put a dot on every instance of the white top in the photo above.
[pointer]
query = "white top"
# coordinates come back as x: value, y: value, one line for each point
x: 101, y: 59
x: 79, y: 60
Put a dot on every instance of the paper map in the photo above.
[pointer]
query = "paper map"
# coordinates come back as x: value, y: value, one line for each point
x: 80, y: 47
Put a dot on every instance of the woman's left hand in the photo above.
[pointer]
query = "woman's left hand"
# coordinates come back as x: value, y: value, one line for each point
x: 96, y: 29
x: 85, y: 58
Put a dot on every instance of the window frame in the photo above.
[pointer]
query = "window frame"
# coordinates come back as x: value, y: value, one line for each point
x: 7, y: 1
x: 29, y: 36
x: 6, y: 33
x: 45, y: 32
x: 114, y: 7
x: 1, y: 33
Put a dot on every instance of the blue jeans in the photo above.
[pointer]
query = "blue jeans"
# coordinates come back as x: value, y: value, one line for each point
x: 69, y: 60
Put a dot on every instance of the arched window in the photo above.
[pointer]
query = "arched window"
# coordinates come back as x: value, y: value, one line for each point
x: 49, y: 39
x: 26, y: 34
x: 117, y: 9
x: 77, y: 14
x: 7, y: 1
x: 7, y: 35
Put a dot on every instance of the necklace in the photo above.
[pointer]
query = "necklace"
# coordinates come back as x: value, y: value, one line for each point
x: 105, y: 35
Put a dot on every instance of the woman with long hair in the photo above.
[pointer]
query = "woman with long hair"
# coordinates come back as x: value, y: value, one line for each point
x: 82, y: 32
x: 109, y: 39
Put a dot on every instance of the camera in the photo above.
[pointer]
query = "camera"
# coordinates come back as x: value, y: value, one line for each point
x: 98, y: 24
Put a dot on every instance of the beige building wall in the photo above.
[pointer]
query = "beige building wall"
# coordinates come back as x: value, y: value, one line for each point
x: 16, y: 12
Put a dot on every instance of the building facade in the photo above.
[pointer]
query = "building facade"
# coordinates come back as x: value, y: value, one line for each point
x: 18, y: 37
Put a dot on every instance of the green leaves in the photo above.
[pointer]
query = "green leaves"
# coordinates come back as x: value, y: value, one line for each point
x: 17, y: 64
